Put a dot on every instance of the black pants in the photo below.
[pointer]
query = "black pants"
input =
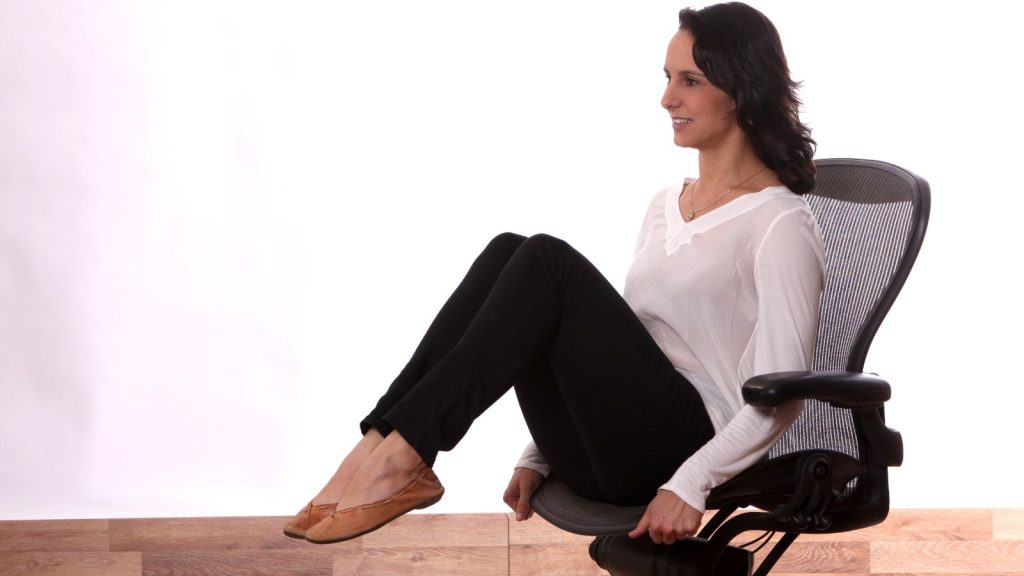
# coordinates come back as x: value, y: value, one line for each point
x: 612, y: 416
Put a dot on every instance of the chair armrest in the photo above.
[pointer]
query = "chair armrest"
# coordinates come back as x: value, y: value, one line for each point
x: 843, y: 389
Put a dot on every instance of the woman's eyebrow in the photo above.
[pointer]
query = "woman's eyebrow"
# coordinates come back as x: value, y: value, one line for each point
x: 688, y: 72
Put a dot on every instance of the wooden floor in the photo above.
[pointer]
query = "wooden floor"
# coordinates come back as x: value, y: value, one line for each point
x: 910, y: 542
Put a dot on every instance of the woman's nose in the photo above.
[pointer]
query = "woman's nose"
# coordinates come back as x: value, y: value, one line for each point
x: 668, y: 99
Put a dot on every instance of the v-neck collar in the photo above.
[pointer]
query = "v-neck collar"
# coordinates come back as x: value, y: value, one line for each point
x: 678, y: 231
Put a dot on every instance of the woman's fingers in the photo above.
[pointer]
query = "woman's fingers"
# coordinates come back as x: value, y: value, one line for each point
x: 642, y: 526
x: 523, y: 511
x: 520, y: 489
x: 511, y: 496
x: 512, y: 500
x: 667, y: 519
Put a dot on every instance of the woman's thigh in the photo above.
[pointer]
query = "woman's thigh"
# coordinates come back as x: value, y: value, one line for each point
x: 605, y: 396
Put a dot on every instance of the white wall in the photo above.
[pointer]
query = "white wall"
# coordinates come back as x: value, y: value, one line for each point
x: 224, y: 225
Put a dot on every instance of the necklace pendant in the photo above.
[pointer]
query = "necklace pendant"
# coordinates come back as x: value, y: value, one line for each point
x: 689, y: 215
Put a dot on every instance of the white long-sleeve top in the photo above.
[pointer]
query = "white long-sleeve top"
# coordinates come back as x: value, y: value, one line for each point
x: 730, y: 295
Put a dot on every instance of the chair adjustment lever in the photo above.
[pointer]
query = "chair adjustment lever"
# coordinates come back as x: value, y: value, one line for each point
x: 816, y: 489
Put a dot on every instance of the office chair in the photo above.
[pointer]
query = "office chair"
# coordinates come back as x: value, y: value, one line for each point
x: 829, y: 472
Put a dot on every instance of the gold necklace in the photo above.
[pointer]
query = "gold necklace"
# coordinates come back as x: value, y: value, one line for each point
x: 693, y: 192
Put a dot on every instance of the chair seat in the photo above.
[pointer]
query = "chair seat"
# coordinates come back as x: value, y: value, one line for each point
x: 763, y: 485
x: 557, y: 504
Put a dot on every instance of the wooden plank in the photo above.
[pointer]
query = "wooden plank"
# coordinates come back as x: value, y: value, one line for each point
x: 977, y: 557
x: 537, y: 530
x: 53, y: 535
x: 430, y: 561
x: 822, y: 557
x: 194, y: 534
x: 1008, y: 524
x: 933, y: 524
x: 547, y: 559
x: 70, y: 563
x: 537, y: 548
x: 236, y: 563
x: 909, y: 543
x: 924, y: 524
x: 440, y: 530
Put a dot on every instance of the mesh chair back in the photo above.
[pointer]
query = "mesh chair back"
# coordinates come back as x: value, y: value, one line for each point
x: 872, y: 217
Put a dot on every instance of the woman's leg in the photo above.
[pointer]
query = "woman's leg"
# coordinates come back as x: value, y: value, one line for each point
x: 612, y: 393
x: 611, y: 414
x: 448, y: 326
x: 622, y: 404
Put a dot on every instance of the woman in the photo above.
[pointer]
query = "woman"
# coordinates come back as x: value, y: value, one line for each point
x: 636, y: 398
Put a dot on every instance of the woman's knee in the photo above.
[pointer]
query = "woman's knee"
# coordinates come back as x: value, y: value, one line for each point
x: 501, y: 248
x: 511, y: 240
x: 552, y: 249
x: 548, y: 242
x: 545, y: 246
x: 506, y: 242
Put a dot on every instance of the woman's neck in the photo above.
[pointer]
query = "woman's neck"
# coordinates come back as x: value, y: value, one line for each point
x: 722, y: 169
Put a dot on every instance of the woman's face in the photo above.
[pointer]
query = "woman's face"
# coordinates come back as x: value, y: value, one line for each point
x: 702, y: 114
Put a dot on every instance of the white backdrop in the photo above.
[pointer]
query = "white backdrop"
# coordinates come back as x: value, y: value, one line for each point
x: 224, y: 225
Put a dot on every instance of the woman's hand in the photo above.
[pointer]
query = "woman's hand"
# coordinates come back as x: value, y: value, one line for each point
x: 668, y: 518
x: 520, y: 488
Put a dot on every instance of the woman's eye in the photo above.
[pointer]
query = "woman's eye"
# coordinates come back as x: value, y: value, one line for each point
x: 690, y: 82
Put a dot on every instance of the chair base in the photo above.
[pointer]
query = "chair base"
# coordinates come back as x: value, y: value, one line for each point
x: 621, y: 555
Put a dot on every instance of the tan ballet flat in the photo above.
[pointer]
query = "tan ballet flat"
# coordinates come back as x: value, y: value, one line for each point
x: 307, y: 518
x: 422, y: 491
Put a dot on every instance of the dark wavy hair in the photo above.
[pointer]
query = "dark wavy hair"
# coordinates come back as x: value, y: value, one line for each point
x: 740, y: 52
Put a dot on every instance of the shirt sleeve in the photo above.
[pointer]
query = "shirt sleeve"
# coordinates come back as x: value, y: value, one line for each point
x: 789, y: 275
x: 534, y: 460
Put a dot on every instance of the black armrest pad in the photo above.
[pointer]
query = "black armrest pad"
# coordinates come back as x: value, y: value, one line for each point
x: 844, y: 389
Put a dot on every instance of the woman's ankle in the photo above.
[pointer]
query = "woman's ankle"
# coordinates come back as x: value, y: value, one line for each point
x: 360, y: 453
x: 399, y: 454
